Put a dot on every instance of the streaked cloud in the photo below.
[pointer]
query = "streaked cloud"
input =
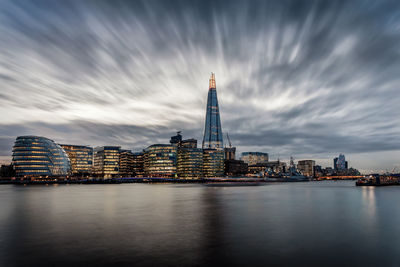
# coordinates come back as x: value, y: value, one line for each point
x: 308, y: 78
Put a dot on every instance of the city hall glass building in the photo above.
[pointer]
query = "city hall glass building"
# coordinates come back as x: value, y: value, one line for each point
x: 81, y: 158
x: 39, y: 156
x: 212, y: 130
x: 160, y: 160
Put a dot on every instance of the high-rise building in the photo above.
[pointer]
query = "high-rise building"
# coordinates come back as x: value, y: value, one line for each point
x: 306, y: 167
x: 176, y: 139
x: 335, y: 163
x: 179, y: 142
x: 39, y: 156
x: 81, y: 158
x: 190, y: 162
x: 213, y: 163
x: 106, y: 161
x: 253, y: 158
x: 160, y: 160
x: 212, y: 131
x: 126, y: 163
x: 340, y: 163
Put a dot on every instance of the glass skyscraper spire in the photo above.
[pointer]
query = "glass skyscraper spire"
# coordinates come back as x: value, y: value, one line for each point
x: 212, y: 131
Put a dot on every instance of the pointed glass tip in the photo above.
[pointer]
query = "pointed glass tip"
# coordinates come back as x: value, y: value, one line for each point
x: 212, y: 81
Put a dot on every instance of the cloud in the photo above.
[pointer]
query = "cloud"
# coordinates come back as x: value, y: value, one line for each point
x: 309, y: 78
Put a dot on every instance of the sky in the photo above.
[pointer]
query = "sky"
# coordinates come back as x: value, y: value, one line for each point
x: 308, y: 79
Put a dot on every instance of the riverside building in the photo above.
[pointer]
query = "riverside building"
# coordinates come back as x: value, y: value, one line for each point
x: 126, y: 163
x: 35, y: 156
x: 213, y: 163
x: 213, y: 150
x: 253, y: 158
x: 160, y: 160
x: 106, y: 161
x: 137, y: 164
x: 306, y: 167
x: 235, y: 167
x: 190, y: 162
x: 81, y: 158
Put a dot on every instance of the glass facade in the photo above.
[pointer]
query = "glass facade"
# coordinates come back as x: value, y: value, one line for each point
x: 81, y: 158
x: 126, y: 163
x: 137, y: 164
x: 213, y: 163
x: 106, y: 161
x: 212, y: 130
x: 190, y: 162
x: 39, y: 156
x: 160, y: 160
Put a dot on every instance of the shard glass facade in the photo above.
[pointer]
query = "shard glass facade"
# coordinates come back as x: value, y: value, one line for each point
x: 212, y: 131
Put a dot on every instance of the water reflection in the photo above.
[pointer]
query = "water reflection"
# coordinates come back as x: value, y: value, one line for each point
x: 194, y: 225
x: 368, y: 198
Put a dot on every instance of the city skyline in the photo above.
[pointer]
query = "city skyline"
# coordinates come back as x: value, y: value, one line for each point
x: 308, y: 79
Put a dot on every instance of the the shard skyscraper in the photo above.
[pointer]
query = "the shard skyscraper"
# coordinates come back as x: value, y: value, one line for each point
x: 212, y: 131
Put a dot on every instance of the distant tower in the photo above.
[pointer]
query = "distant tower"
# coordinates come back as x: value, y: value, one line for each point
x: 212, y: 131
x: 341, y: 162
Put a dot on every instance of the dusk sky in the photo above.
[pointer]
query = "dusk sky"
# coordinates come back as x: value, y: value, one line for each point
x: 310, y: 79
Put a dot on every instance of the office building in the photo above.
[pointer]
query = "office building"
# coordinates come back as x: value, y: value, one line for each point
x: 176, y: 139
x: 253, y: 158
x: 306, y: 167
x: 190, y: 162
x: 340, y: 163
x: 126, y: 163
x: 235, y: 167
x: 35, y: 156
x: 213, y: 163
x: 179, y: 142
x: 160, y: 160
x: 81, y: 158
x: 212, y: 131
x: 189, y: 143
x: 138, y: 164
x: 106, y: 161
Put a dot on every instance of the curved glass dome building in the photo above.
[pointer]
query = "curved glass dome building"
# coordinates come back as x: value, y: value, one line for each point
x: 39, y: 156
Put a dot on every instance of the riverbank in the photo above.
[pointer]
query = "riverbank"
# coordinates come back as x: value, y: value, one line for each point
x: 151, y: 180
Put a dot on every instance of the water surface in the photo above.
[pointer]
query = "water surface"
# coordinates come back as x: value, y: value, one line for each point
x: 289, y: 224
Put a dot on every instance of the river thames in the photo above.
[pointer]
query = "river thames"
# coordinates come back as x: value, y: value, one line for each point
x: 285, y: 224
